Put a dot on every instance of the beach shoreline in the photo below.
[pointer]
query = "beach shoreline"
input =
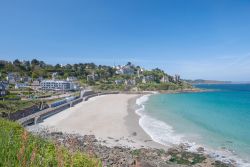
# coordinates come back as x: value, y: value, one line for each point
x: 112, y: 120
x: 132, y: 123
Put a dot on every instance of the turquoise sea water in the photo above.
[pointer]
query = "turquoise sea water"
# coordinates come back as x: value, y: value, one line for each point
x: 218, y: 120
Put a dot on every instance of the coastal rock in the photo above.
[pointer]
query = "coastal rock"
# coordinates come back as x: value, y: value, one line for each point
x: 118, y: 156
x: 145, y: 164
x: 200, y: 149
x: 56, y: 133
x: 134, y: 133
x: 173, y: 151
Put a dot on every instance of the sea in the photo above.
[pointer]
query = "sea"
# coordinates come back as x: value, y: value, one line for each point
x: 217, y: 120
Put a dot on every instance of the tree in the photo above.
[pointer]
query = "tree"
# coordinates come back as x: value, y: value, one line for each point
x: 129, y: 63
x: 26, y: 65
x: 42, y: 64
x: 2, y: 65
x: 34, y: 62
x: 35, y: 74
x: 9, y: 67
x: 17, y: 62
x: 68, y: 67
x: 57, y: 66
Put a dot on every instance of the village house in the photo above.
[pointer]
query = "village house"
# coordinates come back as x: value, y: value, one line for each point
x: 164, y: 79
x: 26, y: 79
x: 21, y: 85
x: 148, y: 78
x: 35, y: 85
x: 119, y: 81
x: 40, y: 79
x: 92, y: 77
x: 3, y: 89
x: 130, y: 82
x: 12, y: 78
x: 71, y: 78
x: 125, y: 70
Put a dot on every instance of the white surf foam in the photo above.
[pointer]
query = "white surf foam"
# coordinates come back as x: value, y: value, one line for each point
x: 164, y: 134
x: 159, y: 131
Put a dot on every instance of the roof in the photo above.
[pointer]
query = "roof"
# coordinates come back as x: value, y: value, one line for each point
x: 56, y: 81
x: 2, y: 86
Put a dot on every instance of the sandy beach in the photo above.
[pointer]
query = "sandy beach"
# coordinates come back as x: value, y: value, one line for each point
x: 111, y: 118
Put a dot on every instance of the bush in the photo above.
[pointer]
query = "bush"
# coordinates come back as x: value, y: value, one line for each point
x: 110, y: 87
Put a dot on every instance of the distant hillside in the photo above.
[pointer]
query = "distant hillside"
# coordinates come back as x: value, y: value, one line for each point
x: 202, y: 81
x: 100, y: 77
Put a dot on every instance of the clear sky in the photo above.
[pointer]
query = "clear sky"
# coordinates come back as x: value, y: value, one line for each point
x: 194, y: 38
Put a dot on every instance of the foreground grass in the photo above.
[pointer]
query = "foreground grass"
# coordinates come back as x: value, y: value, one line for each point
x: 19, y: 148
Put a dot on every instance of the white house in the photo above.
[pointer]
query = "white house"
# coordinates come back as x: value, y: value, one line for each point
x: 126, y: 70
x: 71, y: 78
x: 119, y: 81
x: 21, y: 85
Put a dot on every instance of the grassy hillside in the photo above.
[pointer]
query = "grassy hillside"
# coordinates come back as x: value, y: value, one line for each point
x: 19, y: 148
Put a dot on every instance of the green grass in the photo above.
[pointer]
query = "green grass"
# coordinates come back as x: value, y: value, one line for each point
x: 16, y: 105
x: 103, y: 86
x: 12, y: 95
x: 187, y: 158
x: 19, y: 148
x: 136, y: 152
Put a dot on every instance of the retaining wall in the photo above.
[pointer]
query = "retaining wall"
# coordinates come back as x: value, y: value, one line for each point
x: 24, y: 113
x: 40, y: 115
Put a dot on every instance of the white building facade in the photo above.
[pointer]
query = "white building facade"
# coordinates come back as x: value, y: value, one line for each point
x: 58, y: 85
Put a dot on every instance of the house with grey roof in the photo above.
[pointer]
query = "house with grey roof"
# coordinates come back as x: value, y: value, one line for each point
x: 3, y: 89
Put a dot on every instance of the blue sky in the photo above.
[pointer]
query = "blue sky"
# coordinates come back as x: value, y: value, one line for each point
x: 194, y: 38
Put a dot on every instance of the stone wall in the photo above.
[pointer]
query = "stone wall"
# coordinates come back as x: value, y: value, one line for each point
x: 77, y: 101
x: 24, y: 113
x: 55, y: 111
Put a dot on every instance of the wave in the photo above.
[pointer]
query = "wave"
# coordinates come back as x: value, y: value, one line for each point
x: 164, y: 134
x: 154, y: 127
